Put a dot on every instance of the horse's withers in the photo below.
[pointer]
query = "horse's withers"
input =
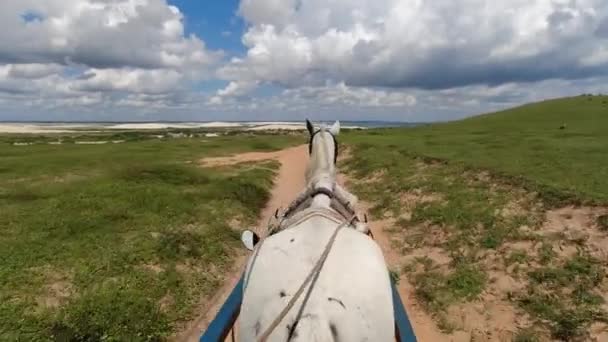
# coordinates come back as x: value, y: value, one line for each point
x: 351, y: 299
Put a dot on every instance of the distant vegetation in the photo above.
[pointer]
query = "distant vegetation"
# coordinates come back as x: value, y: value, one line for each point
x: 117, y: 136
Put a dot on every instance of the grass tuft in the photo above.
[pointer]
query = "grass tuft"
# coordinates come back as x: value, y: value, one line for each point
x: 526, y: 335
x: 438, y: 290
x: 106, y: 314
x: 568, y: 316
x: 175, y: 245
x: 246, y: 192
x: 466, y: 281
x: 395, y: 277
x: 164, y: 173
x: 517, y: 257
x: 602, y: 222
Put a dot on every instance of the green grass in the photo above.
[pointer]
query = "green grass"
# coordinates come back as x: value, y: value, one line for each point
x: 119, y: 242
x: 517, y: 257
x: 524, y: 144
x: 438, y: 290
x: 602, y: 222
x: 394, y: 275
x: 477, y: 188
x: 464, y: 208
x: 566, y: 295
x: 583, y: 270
x: 565, y: 322
x: 526, y: 335
x: 546, y: 253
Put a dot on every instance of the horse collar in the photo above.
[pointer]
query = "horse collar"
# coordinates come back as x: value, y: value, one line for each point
x: 321, y: 190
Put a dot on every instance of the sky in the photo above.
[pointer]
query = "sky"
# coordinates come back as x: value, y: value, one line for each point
x: 203, y: 60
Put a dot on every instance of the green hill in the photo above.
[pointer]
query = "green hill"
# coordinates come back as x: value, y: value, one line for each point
x: 457, y: 213
x: 558, y: 146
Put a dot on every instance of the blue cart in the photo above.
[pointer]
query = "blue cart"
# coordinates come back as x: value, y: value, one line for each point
x: 224, y: 321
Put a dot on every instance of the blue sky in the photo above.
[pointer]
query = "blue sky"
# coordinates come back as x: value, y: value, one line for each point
x: 215, y: 22
x: 397, y: 60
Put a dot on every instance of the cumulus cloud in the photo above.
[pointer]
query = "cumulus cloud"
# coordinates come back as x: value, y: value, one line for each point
x: 234, y: 89
x: 237, y: 88
x: 341, y: 94
x: 98, y: 33
x: 97, y: 52
x: 421, y: 44
x: 35, y: 70
x: 351, y: 59
x: 128, y: 80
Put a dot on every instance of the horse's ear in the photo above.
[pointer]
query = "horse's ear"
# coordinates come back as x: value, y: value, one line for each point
x: 309, y: 127
x: 335, y: 128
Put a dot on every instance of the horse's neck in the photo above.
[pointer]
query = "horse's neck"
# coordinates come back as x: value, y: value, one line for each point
x: 321, y: 164
x: 321, y: 170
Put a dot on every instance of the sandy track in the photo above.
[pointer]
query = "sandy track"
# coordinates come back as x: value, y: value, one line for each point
x: 288, y: 183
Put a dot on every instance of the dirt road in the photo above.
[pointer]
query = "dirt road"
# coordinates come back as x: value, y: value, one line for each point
x: 288, y: 183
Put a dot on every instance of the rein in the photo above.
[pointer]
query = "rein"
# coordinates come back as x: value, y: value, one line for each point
x: 313, y: 275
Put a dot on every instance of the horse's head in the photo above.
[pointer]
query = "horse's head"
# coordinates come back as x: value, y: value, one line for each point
x: 323, y: 149
x: 325, y: 143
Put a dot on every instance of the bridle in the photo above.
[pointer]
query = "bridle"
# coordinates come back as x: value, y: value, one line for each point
x: 312, y: 136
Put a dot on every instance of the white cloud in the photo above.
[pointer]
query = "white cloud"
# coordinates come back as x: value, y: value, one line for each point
x: 237, y: 88
x: 274, y: 12
x: 100, y: 34
x: 416, y: 43
x: 340, y: 94
x: 233, y: 91
x: 70, y: 53
x: 129, y: 80
x: 598, y: 57
x: 390, y: 59
x: 34, y: 70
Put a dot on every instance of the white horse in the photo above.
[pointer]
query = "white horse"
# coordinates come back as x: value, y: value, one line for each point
x: 350, y: 299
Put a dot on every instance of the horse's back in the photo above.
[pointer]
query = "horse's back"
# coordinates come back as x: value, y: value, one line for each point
x: 351, y: 299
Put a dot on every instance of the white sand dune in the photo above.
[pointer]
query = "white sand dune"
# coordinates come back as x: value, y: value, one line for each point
x: 34, y: 128
x: 30, y: 129
x: 162, y: 125
x: 271, y: 127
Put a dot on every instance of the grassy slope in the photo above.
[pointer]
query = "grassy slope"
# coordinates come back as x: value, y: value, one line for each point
x: 118, y: 241
x: 524, y: 141
x: 431, y: 181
